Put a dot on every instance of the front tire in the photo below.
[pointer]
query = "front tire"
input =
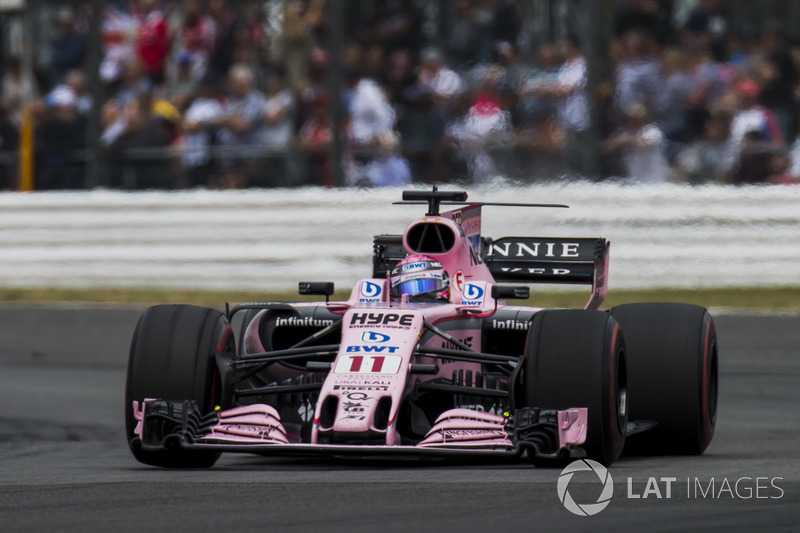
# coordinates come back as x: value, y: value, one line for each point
x: 172, y: 357
x: 576, y: 358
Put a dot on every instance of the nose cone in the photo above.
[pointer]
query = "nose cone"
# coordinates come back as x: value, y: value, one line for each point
x: 362, y: 393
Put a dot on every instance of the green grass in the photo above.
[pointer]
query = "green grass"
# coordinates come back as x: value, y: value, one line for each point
x: 777, y: 298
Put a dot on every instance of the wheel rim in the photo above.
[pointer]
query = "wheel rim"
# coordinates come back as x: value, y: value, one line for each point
x: 712, y: 387
x: 622, y: 392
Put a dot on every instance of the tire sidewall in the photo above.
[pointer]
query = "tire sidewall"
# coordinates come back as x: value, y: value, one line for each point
x: 586, y: 352
x: 673, y: 366
x: 183, y: 340
x: 709, y: 389
x: 614, y: 383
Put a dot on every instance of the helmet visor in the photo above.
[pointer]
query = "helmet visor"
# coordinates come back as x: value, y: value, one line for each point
x: 413, y: 287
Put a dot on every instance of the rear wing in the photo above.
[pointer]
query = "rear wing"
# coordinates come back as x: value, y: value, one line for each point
x: 544, y: 259
x: 582, y: 261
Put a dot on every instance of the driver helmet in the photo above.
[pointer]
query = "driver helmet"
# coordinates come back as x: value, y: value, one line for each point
x: 423, y: 279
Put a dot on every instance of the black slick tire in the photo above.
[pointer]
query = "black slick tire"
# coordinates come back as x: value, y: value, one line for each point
x: 672, y: 371
x: 172, y: 357
x: 576, y: 358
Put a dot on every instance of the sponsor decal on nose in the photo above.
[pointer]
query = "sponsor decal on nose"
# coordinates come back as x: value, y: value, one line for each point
x: 374, y: 336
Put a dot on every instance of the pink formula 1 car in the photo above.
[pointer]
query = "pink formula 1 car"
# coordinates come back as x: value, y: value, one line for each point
x: 427, y: 358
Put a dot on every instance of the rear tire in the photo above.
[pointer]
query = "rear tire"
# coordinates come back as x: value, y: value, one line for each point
x: 172, y: 358
x: 576, y: 358
x: 672, y: 370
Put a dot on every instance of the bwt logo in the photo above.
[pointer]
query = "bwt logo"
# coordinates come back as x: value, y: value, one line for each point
x: 472, y: 295
x: 413, y: 266
x: 472, y: 292
x: 585, y: 509
x: 372, y: 349
x: 374, y: 336
x: 370, y: 290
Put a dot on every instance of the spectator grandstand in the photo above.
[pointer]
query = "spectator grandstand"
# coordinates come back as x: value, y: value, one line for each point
x: 231, y: 94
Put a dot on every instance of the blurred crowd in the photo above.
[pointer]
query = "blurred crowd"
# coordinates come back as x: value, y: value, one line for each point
x: 224, y: 94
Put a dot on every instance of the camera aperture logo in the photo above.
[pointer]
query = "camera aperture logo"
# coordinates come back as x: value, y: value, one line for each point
x: 585, y: 509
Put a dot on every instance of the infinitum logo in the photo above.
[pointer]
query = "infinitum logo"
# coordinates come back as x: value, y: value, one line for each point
x: 585, y: 509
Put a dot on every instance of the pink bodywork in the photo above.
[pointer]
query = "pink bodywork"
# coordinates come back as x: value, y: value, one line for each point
x: 379, y: 339
x: 456, y: 428
x: 249, y: 423
x: 138, y: 415
x: 572, y: 425
x: 465, y: 427
x: 377, y: 349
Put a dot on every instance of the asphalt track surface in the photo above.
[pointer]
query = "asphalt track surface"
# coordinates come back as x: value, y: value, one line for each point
x: 65, y: 466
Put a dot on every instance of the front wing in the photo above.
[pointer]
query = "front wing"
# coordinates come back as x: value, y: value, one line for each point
x: 541, y: 433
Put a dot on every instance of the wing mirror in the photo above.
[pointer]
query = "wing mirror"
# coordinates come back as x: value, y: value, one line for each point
x: 510, y: 292
x: 322, y: 288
